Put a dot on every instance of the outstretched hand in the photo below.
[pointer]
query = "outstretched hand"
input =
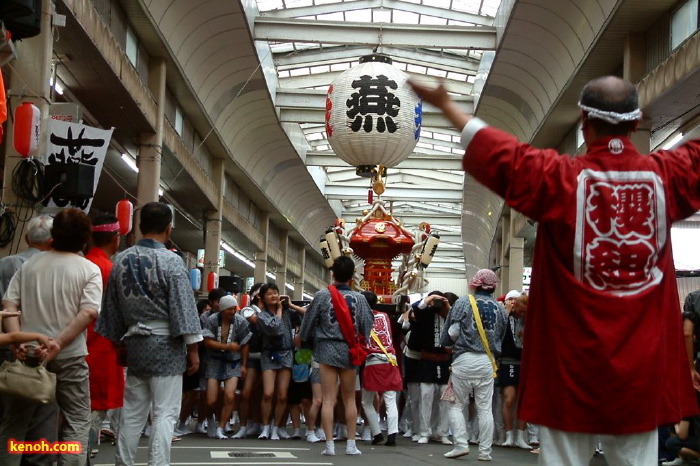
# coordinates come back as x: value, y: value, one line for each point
x: 436, y: 96
x: 48, y: 349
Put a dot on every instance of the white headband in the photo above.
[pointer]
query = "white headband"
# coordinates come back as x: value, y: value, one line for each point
x: 611, y: 117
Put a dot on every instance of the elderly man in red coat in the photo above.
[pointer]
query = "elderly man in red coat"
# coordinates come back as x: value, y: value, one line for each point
x: 106, y: 374
x: 604, y: 354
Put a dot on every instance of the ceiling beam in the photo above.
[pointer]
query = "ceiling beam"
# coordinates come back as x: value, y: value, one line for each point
x: 345, y: 53
x: 325, y: 79
x: 318, y: 115
x: 413, y: 162
x: 394, y: 193
x: 372, y: 4
x: 395, y: 35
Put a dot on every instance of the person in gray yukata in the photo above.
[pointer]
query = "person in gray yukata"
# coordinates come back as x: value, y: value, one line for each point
x: 149, y: 307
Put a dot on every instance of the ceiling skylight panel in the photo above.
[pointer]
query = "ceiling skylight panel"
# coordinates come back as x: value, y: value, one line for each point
x: 490, y: 7
x: 442, y: 137
x: 340, y: 66
x: 436, y: 72
x: 283, y: 74
x: 405, y: 17
x: 433, y: 20
x: 457, y: 151
x: 282, y: 47
x: 314, y: 136
x: 267, y: 5
x: 470, y: 6
x: 325, y: 2
x: 359, y: 16
x: 324, y: 147
x: 335, y: 16
x: 456, y: 76
x: 424, y: 145
x: 416, y: 69
x: 438, y: 3
x: 381, y: 16
x: 299, y: 71
x: 454, y: 22
x: 319, y: 69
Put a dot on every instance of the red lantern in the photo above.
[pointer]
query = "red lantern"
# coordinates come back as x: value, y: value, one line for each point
x: 212, y: 281
x: 244, y: 301
x: 27, y: 127
x: 125, y: 214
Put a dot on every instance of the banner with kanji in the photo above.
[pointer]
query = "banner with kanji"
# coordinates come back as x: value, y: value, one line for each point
x: 75, y: 143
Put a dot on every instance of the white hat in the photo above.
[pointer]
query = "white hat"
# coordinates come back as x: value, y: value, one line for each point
x: 227, y: 302
x: 512, y: 294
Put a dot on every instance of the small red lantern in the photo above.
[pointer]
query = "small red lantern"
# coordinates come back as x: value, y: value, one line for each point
x: 245, y: 300
x: 27, y: 127
x: 212, y: 281
x: 125, y: 214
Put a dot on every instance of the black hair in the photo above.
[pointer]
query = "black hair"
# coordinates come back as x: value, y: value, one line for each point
x: 155, y: 218
x: 343, y: 269
x: 202, y: 305
x: 71, y: 230
x: 103, y: 238
x: 264, y: 289
x: 255, y: 298
x: 371, y: 298
x: 216, y: 294
x: 611, y: 94
x: 451, y: 298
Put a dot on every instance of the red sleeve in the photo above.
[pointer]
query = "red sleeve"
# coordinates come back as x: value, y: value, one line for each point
x: 523, y: 175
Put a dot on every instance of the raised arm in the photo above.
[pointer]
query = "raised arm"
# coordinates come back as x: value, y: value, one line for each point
x: 439, y: 98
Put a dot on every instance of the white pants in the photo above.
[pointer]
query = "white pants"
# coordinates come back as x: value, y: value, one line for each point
x: 433, y: 411
x: 575, y: 449
x: 413, y: 390
x: 165, y: 393
x: 392, y: 412
x: 472, y: 371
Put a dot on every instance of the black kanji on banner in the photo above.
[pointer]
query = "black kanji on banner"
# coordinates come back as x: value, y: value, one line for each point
x: 373, y: 98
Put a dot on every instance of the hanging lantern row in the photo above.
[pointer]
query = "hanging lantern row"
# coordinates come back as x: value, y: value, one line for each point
x: 372, y: 115
x: 26, y: 129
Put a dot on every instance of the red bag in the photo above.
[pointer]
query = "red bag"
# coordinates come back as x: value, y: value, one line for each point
x: 382, y: 378
x: 358, y: 353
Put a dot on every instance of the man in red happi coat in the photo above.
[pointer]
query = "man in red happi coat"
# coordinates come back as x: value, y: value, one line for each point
x: 604, y: 354
x: 106, y: 374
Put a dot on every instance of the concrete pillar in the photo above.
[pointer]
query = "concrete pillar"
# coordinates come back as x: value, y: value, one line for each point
x: 505, y: 257
x: 151, y: 144
x: 260, y: 258
x: 298, y: 282
x: 29, y: 82
x: 212, y: 219
x: 282, y: 272
x: 634, y: 62
x: 515, y: 264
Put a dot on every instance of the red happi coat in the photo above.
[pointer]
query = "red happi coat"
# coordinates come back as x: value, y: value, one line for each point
x: 106, y: 375
x: 603, y: 348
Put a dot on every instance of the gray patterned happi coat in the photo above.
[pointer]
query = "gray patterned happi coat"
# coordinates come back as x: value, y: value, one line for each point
x: 149, y: 282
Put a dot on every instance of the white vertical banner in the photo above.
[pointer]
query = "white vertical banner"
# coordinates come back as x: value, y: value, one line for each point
x: 71, y: 144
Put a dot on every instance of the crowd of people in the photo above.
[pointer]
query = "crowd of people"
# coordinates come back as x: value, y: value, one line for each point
x: 598, y: 332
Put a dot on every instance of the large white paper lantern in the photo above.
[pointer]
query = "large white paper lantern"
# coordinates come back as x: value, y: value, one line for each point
x: 372, y: 115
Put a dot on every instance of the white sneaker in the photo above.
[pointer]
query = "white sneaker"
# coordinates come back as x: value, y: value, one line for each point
x: 676, y: 462
x: 254, y: 429
x: 265, y: 434
x: 366, y: 434
x: 534, y: 440
x: 297, y: 434
x: 312, y: 438
x: 415, y: 437
x: 220, y: 434
x: 321, y: 435
x: 241, y: 433
x: 352, y: 450
x: 182, y: 429
x: 283, y: 434
x: 228, y: 428
x: 423, y: 440
x: 274, y: 435
x: 408, y: 434
x: 445, y: 440
x: 200, y: 428
x: 520, y: 441
x: 484, y: 457
x: 456, y: 453
x: 510, y: 441
x: 147, y: 431
x: 328, y: 451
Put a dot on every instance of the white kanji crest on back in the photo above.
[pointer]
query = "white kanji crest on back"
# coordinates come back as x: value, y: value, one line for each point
x: 620, y: 229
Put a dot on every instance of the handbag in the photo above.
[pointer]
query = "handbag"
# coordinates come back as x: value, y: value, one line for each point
x: 32, y: 383
x: 449, y: 393
x: 482, y: 334
x: 300, y: 373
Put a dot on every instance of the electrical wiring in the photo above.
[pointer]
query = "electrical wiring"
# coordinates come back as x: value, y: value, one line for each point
x: 28, y: 180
